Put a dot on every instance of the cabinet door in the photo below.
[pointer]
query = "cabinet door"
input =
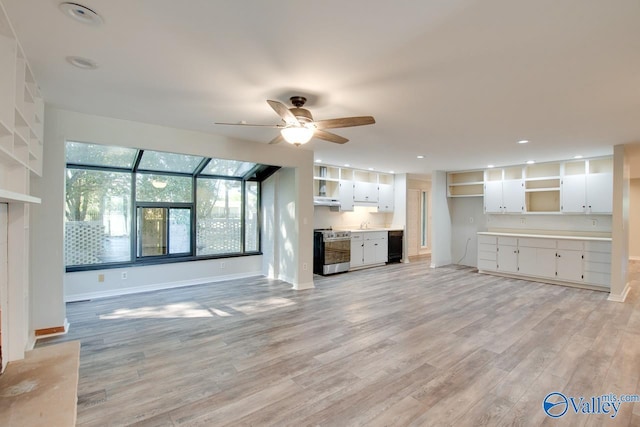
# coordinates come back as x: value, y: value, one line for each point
x: 493, y: 197
x: 357, y: 250
x: 513, y: 196
x: 365, y: 192
x: 385, y: 198
x: 345, y: 195
x: 574, y: 193
x: 528, y: 261
x: 508, y: 258
x: 382, y: 250
x: 370, y: 252
x: 600, y: 193
x: 569, y: 265
x: 536, y: 261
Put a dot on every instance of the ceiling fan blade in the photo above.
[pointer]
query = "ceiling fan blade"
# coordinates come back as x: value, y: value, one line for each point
x: 284, y: 112
x: 277, y: 140
x: 249, y: 124
x: 345, y: 122
x: 328, y: 136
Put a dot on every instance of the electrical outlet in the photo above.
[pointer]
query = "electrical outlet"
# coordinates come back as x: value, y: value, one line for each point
x: 594, y: 222
x: 523, y: 220
x: 100, y: 278
x: 123, y: 275
x: 304, y: 266
x: 471, y: 220
x: 222, y: 265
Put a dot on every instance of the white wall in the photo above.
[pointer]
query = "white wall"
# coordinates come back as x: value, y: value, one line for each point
x: 634, y: 219
x: 441, y: 236
x: 323, y: 217
x: 47, y: 221
x: 467, y: 219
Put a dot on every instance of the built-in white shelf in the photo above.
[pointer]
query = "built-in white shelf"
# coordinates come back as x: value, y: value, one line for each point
x: 12, y: 197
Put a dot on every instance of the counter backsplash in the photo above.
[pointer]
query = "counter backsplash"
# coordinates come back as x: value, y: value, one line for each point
x: 324, y: 218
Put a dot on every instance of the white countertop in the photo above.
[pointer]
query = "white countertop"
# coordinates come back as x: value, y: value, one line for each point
x: 365, y: 230
x: 545, y: 236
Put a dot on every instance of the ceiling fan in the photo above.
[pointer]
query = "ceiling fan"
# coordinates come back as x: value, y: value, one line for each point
x: 299, y: 127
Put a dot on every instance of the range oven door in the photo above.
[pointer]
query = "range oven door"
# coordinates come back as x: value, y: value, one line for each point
x: 337, y: 256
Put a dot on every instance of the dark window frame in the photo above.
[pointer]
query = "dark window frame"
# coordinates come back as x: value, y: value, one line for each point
x: 250, y: 176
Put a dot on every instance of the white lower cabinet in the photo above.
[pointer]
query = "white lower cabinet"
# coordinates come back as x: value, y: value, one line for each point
x: 573, y: 260
x: 507, y: 254
x: 369, y: 248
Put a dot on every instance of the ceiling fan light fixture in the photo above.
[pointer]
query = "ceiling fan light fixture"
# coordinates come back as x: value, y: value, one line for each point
x: 297, y: 135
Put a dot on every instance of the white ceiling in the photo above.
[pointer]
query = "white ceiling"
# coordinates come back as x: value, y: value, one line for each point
x: 459, y: 81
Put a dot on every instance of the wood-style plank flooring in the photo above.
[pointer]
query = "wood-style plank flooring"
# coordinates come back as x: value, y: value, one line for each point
x: 391, y: 346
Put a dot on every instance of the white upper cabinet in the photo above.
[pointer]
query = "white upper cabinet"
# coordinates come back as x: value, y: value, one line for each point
x: 365, y: 192
x: 587, y: 186
x: 504, y: 191
x: 386, y: 193
x: 345, y: 195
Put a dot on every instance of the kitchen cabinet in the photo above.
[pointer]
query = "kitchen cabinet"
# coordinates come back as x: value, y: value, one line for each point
x: 368, y: 248
x: 504, y: 191
x: 345, y: 195
x: 537, y: 257
x: 357, y: 250
x: 366, y: 192
x: 555, y: 259
x: 507, y: 255
x: 385, y: 198
x: 587, y: 187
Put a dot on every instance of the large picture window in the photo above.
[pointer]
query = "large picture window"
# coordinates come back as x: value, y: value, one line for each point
x: 127, y: 206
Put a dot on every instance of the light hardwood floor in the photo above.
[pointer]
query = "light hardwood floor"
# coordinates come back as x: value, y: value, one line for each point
x: 397, y: 345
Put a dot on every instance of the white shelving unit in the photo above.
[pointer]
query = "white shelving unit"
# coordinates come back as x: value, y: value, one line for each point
x: 21, y: 139
x: 465, y: 184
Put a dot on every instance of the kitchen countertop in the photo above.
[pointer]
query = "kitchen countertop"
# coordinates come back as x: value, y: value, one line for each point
x: 365, y: 230
x: 545, y: 236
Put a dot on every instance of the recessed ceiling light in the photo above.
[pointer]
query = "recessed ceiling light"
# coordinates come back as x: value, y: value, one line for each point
x: 80, y: 13
x: 347, y: 165
x: 370, y: 169
x: 80, y: 62
x: 523, y: 141
x: 530, y: 162
x: 420, y: 156
x: 318, y: 161
x: 391, y: 172
x: 491, y: 166
x: 577, y: 157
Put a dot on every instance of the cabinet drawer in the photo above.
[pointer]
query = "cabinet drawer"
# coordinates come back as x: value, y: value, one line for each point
x: 537, y: 243
x: 510, y: 241
x: 488, y: 256
x: 487, y: 265
x: 592, y: 246
x: 485, y: 247
x: 375, y: 235
x: 597, y: 267
x: 601, y: 279
x: 356, y: 237
x: 574, y: 245
x: 598, y: 257
x: 489, y: 240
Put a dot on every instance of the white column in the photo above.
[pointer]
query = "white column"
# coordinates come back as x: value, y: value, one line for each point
x: 441, y: 221
x: 620, y: 226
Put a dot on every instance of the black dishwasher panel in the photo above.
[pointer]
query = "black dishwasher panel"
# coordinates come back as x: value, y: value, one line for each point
x: 395, y: 245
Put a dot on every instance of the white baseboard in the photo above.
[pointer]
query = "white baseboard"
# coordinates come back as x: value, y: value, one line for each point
x: 157, y: 287
x: 303, y: 286
x: 620, y: 297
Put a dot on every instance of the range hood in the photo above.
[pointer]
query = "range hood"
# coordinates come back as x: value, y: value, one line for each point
x: 325, y: 201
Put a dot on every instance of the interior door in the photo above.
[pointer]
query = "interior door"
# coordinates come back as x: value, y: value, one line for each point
x: 413, y: 222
